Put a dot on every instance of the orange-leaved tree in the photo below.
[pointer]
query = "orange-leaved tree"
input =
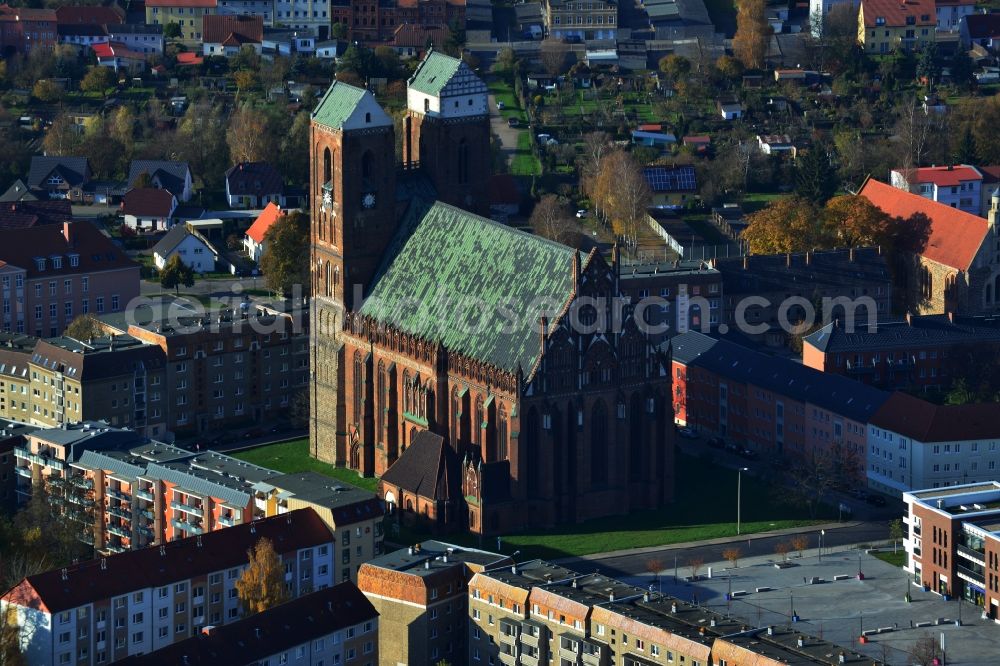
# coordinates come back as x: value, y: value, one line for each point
x: 262, y: 584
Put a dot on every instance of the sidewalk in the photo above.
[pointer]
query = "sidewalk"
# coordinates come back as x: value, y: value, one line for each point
x: 708, y: 542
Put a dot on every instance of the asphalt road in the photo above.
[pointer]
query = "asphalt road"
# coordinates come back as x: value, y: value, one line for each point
x: 634, y: 564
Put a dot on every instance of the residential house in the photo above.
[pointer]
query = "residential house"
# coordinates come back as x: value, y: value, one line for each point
x: 82, y: 35
x: 175, y: 177
x: 953, y: 545
x: 698, y: 143
x: 910, y: 353
x: 138, y: 38
x: 18, y: 191
x: 253, y: 185
x: 327, y: 50
x: 188, y: 14
x: 89, y: 15
x: 411, y: 40
x: 957, y: 270
x: 119, y: 57
x: 264, y: 9
x: 332, y: 626
x: 280, y: 41
x: 885, y: 26
x: 672, y: 187
x: 980, y: 30
x: 772, y: 405
x: 730, y: 110
x: 776, y: 144
x: 194, y: 250
x: 586, y: 21
x: 23, y: 29
x: 59, y: 177
x: 140, y: 601
x: 29, y: 212
x: 376, y: 24
x: 228, y: 35
x: 676, y: 296
x: 68, y: 270
x: 254, y: 241
x: 951, y: 12
x: 761, y: 289
x: 315, y: 17
x: 422, y: 597
x: 958, y: 186
x: 148, y: 209
x: 653, y: 139
x: 530, y: 19
x: 916, y: 444
x: 13, y: 434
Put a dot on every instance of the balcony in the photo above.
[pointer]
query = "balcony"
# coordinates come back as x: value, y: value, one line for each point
x: 977, y: 556
x: 187, y: 527
x: 23, y: 471
x: 44, y: 461
x: 81, y: 482
x: 971, y: 575
x: 529, y: 660
x: 117, y: 494
x: 144, y: 495
x: 228, y: 521
x: 507, y: 638
x: 508, y: 659
x: 120, y: 531
x: 530, y: 639
x: 120, y: 513
x: 187, y: 508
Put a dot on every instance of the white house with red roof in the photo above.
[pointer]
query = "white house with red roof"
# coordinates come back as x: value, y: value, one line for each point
x: 117, y: 56
x: 148, y: 208
x: 257, y: 233
x: 958, y: 268
x: 951, y: 12
x: 227, y: 35
x: 958, y: 186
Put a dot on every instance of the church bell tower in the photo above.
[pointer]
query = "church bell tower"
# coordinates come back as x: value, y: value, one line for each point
x: 352, y: 173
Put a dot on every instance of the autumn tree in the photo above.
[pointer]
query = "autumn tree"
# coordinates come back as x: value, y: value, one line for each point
x: 98, y: 79
x: 84, y: 327
x: 926, y: 651
x: 800, y: 542
x: 853, y: 221
x: 781, y: 549
x: 752, y: 32
x: 262, y: 585
x: 675, y: 67
x: 286, y: 253
x: 122, y: 128
x: 623, y: 195
x: 550, y: 219
x: 788, y: 224
x: 62, y: 137
x: 176, y: 273
x: 245, y: 79
x: 732, y: 556
x: 553, y: 54
x: 200, y: 140
x: 248, y: 136
x: 47, y: 91
x: 695, y: 564
x: 729, y: 67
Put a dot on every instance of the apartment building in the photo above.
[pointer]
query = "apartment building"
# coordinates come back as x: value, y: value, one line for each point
x: 682, y: 295
x: 761, y: 289
x: 353, y: 515
x: 12, y: 435
x: 780, y: 646
x: 910, y: 353
x: 336, y: 625
x: 539, y: 613
x: 60, y: 271
x: 772, y: 405
x: 958, y: 186
x: 187, y: 14
x: 377, y: 22
x: 132, y: 603
x: 584, y: 20
x: 23, y: 29
x: 913, y: 443
x: 226, y: 371
x: 422, y: 598
x: 15, y: 376
x: 953, y: 546
x: 886, y: 26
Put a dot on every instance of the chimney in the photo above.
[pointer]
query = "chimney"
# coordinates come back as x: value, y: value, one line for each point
x: 543, y: 329
x: 410, y: 550
x: 645, y: 596
x: 68, y: 233
x: 104, y: 564
x: 208, y: 630
x: 801, y: 642
x: 65, y: 574
x: 611, y: 597
x: 808, y: 258
x: 746, y: 261
x: 256, y: 632
x: 909, y: 319
x: 850, y: 255
x: 163, y: 551
x: 427, y: 564
x: 951, y: 316
x: 788, y: 259
x: 673, y: 607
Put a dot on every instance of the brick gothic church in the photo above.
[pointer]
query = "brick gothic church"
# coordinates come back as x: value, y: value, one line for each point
x: 450, y: 357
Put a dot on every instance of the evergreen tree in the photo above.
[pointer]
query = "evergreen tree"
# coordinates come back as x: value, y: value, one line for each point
x: 815, y: 177
x: 965, y: 151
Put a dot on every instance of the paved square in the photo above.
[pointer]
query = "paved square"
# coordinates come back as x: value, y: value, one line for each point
x: 839, y: 610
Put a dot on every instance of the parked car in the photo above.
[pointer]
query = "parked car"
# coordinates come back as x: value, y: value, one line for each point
x: 582, y: 213
x: 500, y: 106
x: 512, y: 122
x: 875, y: 500
x: 687, y: 433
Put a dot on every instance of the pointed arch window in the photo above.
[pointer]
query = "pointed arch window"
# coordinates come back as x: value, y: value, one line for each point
x: 502, y: 430
x: 327, y: 166
x: 359, y: 385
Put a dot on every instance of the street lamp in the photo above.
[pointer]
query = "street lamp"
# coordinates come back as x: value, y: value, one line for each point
x: 822, y: 533
x: 739, y: 493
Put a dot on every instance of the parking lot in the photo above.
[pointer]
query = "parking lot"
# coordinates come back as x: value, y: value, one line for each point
x: 831, y: 602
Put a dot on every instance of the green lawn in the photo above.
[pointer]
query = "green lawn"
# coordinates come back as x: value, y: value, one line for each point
x: 897, y: 559
x: 294, y: 456
x: 524, y: 162
x: 503, y: 92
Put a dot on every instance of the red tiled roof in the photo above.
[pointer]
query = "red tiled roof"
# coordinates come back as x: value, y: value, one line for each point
x: 944, y: 176
x: 97, y: 252
x: 650, y: 127
x: 181, y: 3
x: 895, y: 12
x: 700, y: 139
x: 239, y: 29
x: 926, y: 422
x: 189, y: 58
x: 267, y: 217
x: 417, y: 36
x: 21, y: 214
x: 991, y: 174
x: 178, y: 560
x: 955, y: 236
x: 95, y: 15
x: 148, y: 202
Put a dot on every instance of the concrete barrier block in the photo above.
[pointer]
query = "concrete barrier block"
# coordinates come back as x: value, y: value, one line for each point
x: 841, y: 577
x: 764, y: 588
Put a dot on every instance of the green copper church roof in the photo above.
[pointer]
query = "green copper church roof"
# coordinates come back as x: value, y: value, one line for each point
x: 338, y: 104
x: 434, y: 73
x: 476, y: 286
